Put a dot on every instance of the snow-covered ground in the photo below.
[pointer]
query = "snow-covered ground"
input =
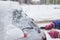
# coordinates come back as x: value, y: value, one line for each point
x: 7, y: 30
x: 37, y: 12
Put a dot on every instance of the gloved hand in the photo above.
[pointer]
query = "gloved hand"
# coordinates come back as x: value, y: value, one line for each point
x: 54, y: 34
x: 49, y: 26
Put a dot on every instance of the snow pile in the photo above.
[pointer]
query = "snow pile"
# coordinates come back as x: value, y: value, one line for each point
x: 7, y: 30
x: 13, y: 22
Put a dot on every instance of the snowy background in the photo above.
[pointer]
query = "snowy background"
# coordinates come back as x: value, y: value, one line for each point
x: 37, y: 12
x: 42, y: 12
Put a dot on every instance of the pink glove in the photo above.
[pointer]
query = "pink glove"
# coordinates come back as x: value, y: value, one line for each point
x: 54, y: 34
x: 49, y: 26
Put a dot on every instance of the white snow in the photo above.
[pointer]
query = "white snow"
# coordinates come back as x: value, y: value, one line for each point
x: 37, y: 12
x: 42, y: 12
x: 8, y: 31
